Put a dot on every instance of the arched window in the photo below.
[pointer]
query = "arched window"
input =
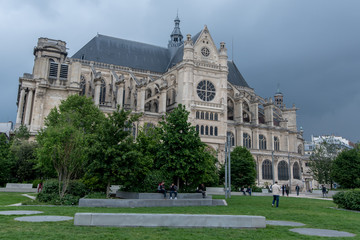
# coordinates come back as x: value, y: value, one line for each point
x: 246, y: 140
x: 211, y: 116
x: 197, y: 115
x: 276, y: 144
x: 148, y: 93
x: 211, y: 130
x: 206, y: 116
x: 267, y: 169
x: 202, y: 115
x: 216, y: 131
x: 206, y: 130
x: 202, y: 130
x: 156, y: 107
x: 283, y: 171
x: 232, y: 138
x: 262, y: 142
x: 134, y: 130
x: 102, y: 92
x: 300, y: 149
x: 82, y: 86
x: 197, y: 128
x: 230, y: 109
x: 296, y: 170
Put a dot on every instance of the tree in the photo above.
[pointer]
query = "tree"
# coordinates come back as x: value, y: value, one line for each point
x: 4, y: 159
x: 346, y: 168
x: 243, y: 168
x: 321, y: 162
x: 182, y: 154
x: 115, y: 159
x: 65, y: 142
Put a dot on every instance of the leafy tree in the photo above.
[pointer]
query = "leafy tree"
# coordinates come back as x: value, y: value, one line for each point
x: 115, y: 159
x: 4, y: 159
x: 182, y: 154
x: 243, y: 168
x: 65, y: 142
x: 321, y: 162
x: 346, y: 168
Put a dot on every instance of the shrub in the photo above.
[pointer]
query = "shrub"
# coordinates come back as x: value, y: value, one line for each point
x: 348, y: 200
x: 96, y: 195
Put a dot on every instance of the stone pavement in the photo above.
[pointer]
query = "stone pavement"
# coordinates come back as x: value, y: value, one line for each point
x: 321, y: 232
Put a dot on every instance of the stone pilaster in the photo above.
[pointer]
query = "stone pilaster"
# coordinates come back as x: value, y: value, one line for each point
x: 28, y: 111
x: 20, y: 107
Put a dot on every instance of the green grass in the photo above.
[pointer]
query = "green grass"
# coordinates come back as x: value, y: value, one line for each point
x: 314, y: 213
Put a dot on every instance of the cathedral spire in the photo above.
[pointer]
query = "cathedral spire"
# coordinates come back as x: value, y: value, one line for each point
x: 176, y: 38
x: 279, y: 98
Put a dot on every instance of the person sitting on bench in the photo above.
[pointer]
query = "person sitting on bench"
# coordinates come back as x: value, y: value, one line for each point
x: 161, y: 189
x: 202, y: 189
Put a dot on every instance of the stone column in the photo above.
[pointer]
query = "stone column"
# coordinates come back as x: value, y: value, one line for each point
x: 29, y: 100
x: 140, y: 99
x: 162, y: 102
x: 20, y: 107
x: 254, y: 108
x: 120, y: 94
x: 97, y: 91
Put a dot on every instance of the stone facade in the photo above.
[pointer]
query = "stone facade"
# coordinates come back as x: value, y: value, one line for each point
x: 196, y: 73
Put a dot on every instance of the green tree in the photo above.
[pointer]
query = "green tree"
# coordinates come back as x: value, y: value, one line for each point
x: 346, y: 168
x: 115, y: 159
x: 321, y: 161
x: 243, y: 168
x: 65, y: 141
x: 4, y: 159
x: 182, y: 154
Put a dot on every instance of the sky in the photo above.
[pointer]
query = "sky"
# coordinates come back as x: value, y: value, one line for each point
x: 309, y: 49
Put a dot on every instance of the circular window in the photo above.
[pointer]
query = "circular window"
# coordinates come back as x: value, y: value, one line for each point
x: 205, y: 51
x: 206, y: 90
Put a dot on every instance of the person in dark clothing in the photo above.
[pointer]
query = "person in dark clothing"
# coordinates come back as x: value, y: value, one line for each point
x: 248, y: 190
x: 173, y: 190
x: 283, y: 189
x: 287, y: 190
x: 161, y: 189
x: 297, y: 188
x: 323, y: 189
x: 202, y: 189
x: 242, y: 189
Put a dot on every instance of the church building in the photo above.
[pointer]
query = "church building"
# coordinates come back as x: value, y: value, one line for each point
x: 153, y: 80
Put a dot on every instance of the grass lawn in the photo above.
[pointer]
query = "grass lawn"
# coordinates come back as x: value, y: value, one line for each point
x: 314, y: 213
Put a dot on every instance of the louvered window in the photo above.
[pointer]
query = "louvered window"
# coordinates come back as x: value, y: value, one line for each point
x: 64, y: 71
x: 53, y: 69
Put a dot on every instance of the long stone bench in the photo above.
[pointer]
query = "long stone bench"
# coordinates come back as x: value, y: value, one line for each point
x: 168, y: 220
x: 18, y: 187
x: 134, y: 195
x: 132, y: 203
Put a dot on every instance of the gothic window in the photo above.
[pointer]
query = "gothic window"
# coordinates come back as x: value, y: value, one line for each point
x: 246, y: 140
x: 82, y: 86
x: 211, y: 131
x: 156, y: 107
x: 262, y: 142
x: 283, y: 171
x: 197, y: 128
x: 232, y: 138
x: 211, y: 116
x: 300, y: 149
x: 216, y: 117
x: 148, y: 93
x: 276, y: 144
x: 202, y: 115
x: 216, y: 131
x: 296, y: 170
x: 202, y: 130
x: 207, y: 116
x: 102, y: 92
x: 267, y: 169
x: 230, y: 109
x: 53, y: 69
x: 197, y: 115
x: 206, y: 130
x: 147, y: 107
x: 134, y: 130
x: 64, y: 68
x: 206, y: 90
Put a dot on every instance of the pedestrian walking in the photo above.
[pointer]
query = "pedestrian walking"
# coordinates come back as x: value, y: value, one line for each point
x: 276, y: 194
x: 297, y: 188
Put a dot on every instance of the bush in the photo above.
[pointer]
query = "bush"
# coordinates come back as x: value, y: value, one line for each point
x: 50, y: 193
x: 348, y: 200
x: 96, y: 195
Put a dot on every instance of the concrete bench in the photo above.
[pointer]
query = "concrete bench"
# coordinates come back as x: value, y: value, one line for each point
x: 168, y: 220
x: 132, y: 203
x: 134, y: 195
x: 18, y: 187
x: 215, y: 191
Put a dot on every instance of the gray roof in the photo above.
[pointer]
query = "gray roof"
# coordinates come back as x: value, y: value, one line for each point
x: 234, y: 76
x: 125, y: 53
x: 143, y: 56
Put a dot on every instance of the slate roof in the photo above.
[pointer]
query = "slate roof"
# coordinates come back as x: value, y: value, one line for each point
x: 143, y: 56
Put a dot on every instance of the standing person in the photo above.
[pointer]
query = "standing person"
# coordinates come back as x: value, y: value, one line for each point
x: 323, y: 189
x: 297, y: 188
x: 287, y: 190
x: 283, y: 189
x: 161, y: 189
x: 40, y: 187
x: 202, y: 189
x: 248, y: 190
x: 173, y: 190
x: 276, y: 194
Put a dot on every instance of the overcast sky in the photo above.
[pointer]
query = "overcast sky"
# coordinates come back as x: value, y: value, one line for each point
x: 311, y: 48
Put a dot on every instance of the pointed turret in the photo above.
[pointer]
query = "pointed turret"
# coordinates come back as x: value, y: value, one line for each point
x: 279, y: 98
x: 176, y: 38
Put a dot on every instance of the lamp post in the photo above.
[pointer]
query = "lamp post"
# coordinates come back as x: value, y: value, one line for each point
x: 228, y: 167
